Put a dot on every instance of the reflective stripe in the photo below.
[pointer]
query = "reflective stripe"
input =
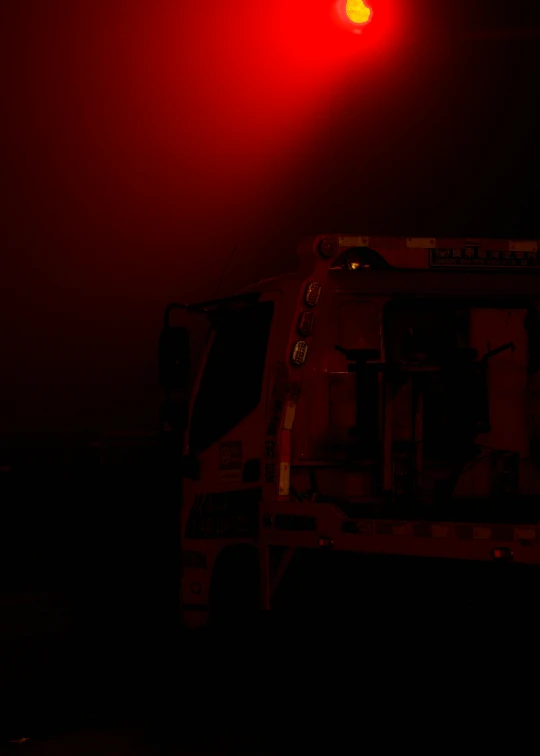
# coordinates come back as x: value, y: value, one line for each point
x: 285, y: 463
x: 524, y: 534
x: 402, y: 529
x: 482, y: 533
x: 523, y: 246
x: 354, y: 241
x: 289, y: 415
x: 284, y: 478
x: 463, y: 532
x: 416, y: 243
x: 439, y: 531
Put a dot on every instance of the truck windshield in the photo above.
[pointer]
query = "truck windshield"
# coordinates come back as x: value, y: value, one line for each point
x: 232, y: 380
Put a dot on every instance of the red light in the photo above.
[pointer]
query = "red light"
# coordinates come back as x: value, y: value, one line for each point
x: 503, y: 553
x: 358, y: 12
x: 325, y: 543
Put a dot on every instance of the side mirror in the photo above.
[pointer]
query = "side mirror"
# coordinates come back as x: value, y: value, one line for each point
x: 174, y: 359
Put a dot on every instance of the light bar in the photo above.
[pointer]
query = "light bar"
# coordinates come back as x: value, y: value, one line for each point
x: 299, y: 353
x: 313, y: 293
x: 285, y: 464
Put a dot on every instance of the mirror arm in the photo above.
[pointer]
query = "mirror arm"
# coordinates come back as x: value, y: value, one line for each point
x: 168, y: 310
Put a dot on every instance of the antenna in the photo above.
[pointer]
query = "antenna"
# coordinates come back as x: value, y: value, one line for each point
x: 225, y: 269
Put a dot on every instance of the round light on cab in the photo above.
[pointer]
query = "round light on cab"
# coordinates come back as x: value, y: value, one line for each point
x: 358, y: 12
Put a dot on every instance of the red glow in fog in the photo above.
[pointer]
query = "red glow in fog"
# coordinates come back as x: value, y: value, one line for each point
x: 198, y: 110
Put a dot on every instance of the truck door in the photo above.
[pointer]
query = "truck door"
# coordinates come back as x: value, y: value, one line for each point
x: 226, y: 430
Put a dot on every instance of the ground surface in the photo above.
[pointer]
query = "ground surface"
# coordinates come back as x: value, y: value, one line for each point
x: 93, y: 661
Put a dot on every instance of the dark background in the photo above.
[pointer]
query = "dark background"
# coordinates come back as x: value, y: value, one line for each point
x: 143, y: 142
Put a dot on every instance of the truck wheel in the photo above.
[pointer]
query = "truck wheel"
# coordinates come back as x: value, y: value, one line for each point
x: 235, y: 588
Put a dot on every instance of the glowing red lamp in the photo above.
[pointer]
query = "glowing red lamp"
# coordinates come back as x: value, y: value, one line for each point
x: 358, y: 12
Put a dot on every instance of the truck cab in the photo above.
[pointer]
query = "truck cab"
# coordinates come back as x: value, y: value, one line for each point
x: 382, y: 400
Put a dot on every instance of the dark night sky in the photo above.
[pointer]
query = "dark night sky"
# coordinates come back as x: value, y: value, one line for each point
x: 143, y: 140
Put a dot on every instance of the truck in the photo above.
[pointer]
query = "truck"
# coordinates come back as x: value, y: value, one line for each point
x: 375, y: 412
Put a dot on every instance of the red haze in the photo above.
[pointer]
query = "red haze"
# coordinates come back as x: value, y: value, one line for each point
x: 144, y: 140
